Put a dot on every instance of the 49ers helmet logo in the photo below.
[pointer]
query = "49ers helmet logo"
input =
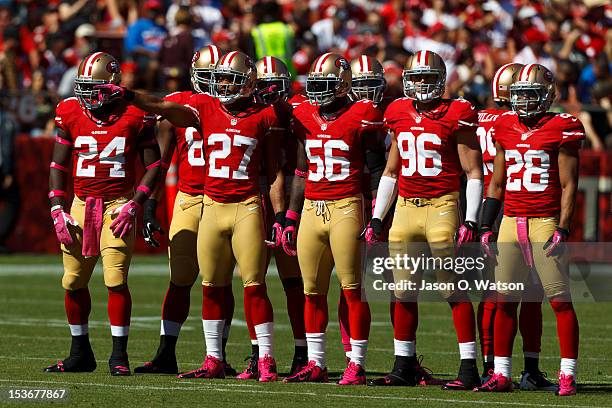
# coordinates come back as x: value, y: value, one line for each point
x: 342, y: 63
x: 113, y: 67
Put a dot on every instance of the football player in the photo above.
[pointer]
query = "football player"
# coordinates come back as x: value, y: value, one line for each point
x: 102, y: 138
x: 530, y: 321
x: 274, y: 87
x: 433, y: 143
x: 182, y: 248
x: 536, y: 162
x: 237, y: 135
x: 332, y: 143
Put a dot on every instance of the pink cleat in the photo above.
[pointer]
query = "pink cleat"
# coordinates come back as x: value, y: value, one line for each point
x: 311, y: 373
x: 212, y: 367
x: 251, y: 372
x: 267, y: 369
x: 497, y: 383
x: 567, y: 385
x: 354, y: 374
x: 424, y: 376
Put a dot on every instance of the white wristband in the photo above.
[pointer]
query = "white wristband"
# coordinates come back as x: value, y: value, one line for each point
x: 384, y: 196
x: 473, y: 197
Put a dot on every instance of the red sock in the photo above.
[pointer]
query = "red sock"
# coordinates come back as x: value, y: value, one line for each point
x: 256, y: 298
x: 213, y: 303
x: 343, y: 320
x: 530, y: 326
x: 464, y: 321
x: 248, y: 319
x: 78, y: 306
x: 119, y: 308
x: 316, y: 314
x: 230, y: 303
x: 294, y: 292
x: 408, y: 314
x: 176, y: 303
x: 359, y: 314
x: 486, y: 324
x: 505, y: 328
x: 567, y: 328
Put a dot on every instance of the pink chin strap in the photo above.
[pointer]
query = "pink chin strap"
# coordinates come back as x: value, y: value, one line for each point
x: 522, y: 233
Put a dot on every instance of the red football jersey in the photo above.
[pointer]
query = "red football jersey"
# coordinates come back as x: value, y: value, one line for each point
x: 334, y: 148
x: 532, y: 170
x: 427, y: 143
x: 233, y: 147
x: 190, y: 153
x: 103, y: 154
x: 486, y: 119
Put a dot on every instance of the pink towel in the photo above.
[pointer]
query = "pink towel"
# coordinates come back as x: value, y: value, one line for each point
x: 92, y: 226
x: 522, y: 232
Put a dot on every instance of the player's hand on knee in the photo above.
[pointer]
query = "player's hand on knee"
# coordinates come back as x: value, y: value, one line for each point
x: 372, y: 232
x: 151, y: 225
x: 61, y: 220
x: 556, y: 243
x: 276, y: 234
x: 487, y: 241
x: 126, y: 219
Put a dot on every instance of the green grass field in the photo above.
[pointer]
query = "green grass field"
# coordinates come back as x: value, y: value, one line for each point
x: 33, y: 334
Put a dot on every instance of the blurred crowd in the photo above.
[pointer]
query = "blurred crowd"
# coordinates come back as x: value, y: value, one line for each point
x: 42, y: 42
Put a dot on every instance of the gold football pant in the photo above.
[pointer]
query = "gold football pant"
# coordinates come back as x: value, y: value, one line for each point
x: 432, y: 222
x: 553, y: 271
x: 116, y: 252
x: 327, y: 236
x: 231, y: 233
x: 183, y: 237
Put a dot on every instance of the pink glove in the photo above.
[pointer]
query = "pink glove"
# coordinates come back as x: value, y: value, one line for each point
x: 289, y: 234
x: 107, y: 92
x: 486, y: 241
x: 372, y: 232
x: 276, y: 239
x: 554, y: 245
x: 467, y: 233
x: 60, y: 222
x: 126, y: 219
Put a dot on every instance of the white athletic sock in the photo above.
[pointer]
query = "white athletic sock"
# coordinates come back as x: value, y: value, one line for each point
x: 503, y: 365
x: 264, y: 333
x: 213, y: 336
x: 120, y: 331
x: 300, y: 342
x: 348, y: 354
x: 467, y: 350
x: 404, y: 348
x: 79, y: 329
x: 568, y: 366
x: 254, y: 342
x: 359, y: 349
x: 170, y: 328
x: 316, y: 348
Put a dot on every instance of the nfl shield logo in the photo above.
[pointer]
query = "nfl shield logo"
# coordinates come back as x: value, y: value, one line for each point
x: 418, y: 119
x: 323, y: 126
x: 234, y: 121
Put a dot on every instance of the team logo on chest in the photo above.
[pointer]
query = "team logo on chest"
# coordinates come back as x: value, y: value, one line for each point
x: 323, y: 126
x: 417, y: 119
x: 234, y: 121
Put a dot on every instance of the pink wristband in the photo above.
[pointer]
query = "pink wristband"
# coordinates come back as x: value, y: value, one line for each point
x: 59, y: 167
x: 63, y: 141
x: 165, y: 165
x: 301, y: 173
x: 146, y: 190
x: 154, y: 165
x: 292, y: 215
x: 56, y: 193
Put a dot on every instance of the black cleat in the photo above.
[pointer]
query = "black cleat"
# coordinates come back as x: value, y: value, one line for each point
x: 468, y: 377
x: 399, y: 377
x: 119, y: 366
x: 229, y: 370
x: 73, y: 364
x: 158, y: 366
x: 300, y: 361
